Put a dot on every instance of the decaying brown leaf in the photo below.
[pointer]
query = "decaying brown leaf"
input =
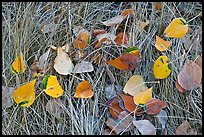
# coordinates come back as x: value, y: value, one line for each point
x: 115, y: 109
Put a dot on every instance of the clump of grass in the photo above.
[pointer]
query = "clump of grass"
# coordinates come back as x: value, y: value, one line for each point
x: 22, y: 23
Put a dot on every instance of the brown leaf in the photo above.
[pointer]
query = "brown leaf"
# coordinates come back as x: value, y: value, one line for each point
x: 158, y: 6
x: 7, y: 100
x: 127, y: 12
x: 54, y: 107
x: 36, y: 70
x: 121, y: 38
x: 113, y: 21
x: 103, y: 38
x: 154, y: 106
x: 125, y: 62
x: 182, y: 90
x: 185, y: 129
x: 128, y: 102
x: 99, y: 31
x: 115, y: 109
x: 190, y: 75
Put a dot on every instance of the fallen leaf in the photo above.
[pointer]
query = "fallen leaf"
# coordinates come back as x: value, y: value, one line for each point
x: 49, y: 28
x: 128, y: 102
x: 63, y: 64
x: 51, y: 86
x: 54, y: 107
x: 161, y: 44
x: 7, y: 100
x: 162, y: 118
x: 24, y: 95
x: 82, y: 40
x: 190, y: 75
x: 43, y: 59
x: 198, y: 60
x: 83, y: 67
x: 115, y: 109
x: 115, y: 125
x: 182, y: 90
x: 125, y: 62
x: 84, y: 90
x: 154, y: 106
x: 112, y: 90
x: 141, y: 25
x: 161, y: 69
x: 103, y: 38
x: 121, y: 38
x: 135, y: 85
x: 143, y: 97
x: 185, y: 129
x: 177, y: 28
x: 99, y: 31
x: 18, y: 65
x: 127, y: 12
x: 145, y: 127
x: 113, y: 21
x: 158, y: 6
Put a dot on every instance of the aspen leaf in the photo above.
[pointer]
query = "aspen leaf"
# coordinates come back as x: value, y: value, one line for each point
x: 190, y: 75
x: 81, y: 41
x: 24, y: 95
x: 63, y: 64
x: 135, y: 85
x: 115, y: 109
x: 54, y: 107
x: 161, y: 69
x: 127, y: 12
x: 7, y: 100
x: 121, y: 38
x: 125, y: 62
x: 18, y: 65
x: 185, y: 129
x: 177, y: 28
x: 161, y: 44
x: 84, y: 90
x: 154, y: 106
x: 113, y: 21
x: 83, y: 66
x: 145, y: 127
x: 143, y: 97
x: 128, y: 102
x: 52, y: 87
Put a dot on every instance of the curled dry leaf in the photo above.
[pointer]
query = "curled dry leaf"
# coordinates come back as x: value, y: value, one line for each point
x: 143, y: 97
x: 161, y: 44
x: 7, y: 100
x: 63, y: 64
x: 43, y: 59
x: 177, y: 28
x: 190, y: 75
x: 145, y: 127
x: 83, y: 66
x: 115, y: 109
x: 84, y: 90
x: 121, y: 38
x: 162, y: 118
x: 127, y: 12
x: 185, y: 129
x: 18, y: 65
x: 112, y: 90
x: 161, y: 69
x: 54, y: 107
x: 113, y: 21
x: 125, y: 62
x: 135, y: 85
x: 24, y: 95
x: 141, y: 25
x: 154, y: 106
x: 52, y: 87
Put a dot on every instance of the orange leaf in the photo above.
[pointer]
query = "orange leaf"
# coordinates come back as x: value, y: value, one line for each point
x: 81, y: 41
x: 158, y: 6
x: 115, y: 109
x: 121, y: 38
x: 99, y: 31
x: 161, y: 44
x: 125, y: 62
x: 127, y: 12
x: 154, y: 106
x: 84, y: 90
x: 128, y: 102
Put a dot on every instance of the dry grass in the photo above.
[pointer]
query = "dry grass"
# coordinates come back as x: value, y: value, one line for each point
x: 21, y: 31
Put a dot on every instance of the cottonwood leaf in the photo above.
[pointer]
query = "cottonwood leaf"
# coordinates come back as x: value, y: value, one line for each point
x: 143, y: 97
x: 84, y: 90
x: 115, y: 109
x: 18, y: 66
x: 161, y: 44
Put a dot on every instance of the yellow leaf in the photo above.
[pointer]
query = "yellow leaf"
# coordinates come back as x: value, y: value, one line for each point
x: 63, y: 64
x: 25, y: 95
x: 161, y: 44
x: 53, y: 87
x: 161, y: 69
x: 177, y: 28
x: 143, y: 97
x: 135, y: 85
x: 18, y: 65
x: 84, y: 90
